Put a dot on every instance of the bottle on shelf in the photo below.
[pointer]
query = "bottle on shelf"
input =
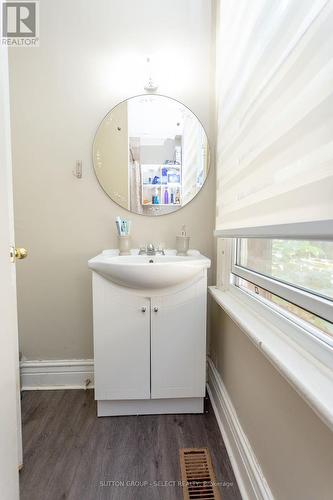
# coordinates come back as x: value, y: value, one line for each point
x: 166, y: 196
x: 177, y: 197
x: 164, y: 175
x: 155, y: 198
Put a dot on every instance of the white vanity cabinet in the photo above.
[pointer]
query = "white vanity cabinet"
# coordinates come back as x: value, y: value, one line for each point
x: 149, y: 347
x: 121, y: 342
x: 178, y: 343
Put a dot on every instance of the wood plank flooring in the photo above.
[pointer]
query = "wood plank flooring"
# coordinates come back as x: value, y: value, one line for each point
x: 69, y: 453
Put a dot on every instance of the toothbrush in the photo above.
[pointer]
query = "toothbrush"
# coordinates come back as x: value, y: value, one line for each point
x: 123, y: 226
x: 118, y: 224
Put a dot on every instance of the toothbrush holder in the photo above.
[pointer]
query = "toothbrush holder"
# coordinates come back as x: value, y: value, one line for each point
x: 124, y: 243
x: 182, y: 244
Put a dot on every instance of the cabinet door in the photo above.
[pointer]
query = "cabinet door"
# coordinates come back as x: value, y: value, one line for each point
x: 121, y: 342
x: 178, y: 343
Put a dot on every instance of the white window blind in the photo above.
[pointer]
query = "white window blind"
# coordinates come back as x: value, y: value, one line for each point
x: 275, y: 118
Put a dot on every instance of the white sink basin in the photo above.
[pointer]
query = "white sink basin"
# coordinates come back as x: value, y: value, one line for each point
x: 148, y: 272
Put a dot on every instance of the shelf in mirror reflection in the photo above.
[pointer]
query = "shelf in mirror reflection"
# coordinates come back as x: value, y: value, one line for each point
x: 169, y: 184
x: 161, y: 204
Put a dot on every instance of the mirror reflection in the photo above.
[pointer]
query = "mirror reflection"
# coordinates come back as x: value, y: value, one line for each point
x: 151, y: 155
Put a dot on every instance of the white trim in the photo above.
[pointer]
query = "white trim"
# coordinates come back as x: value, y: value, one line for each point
x: 224, y: 254
x: 286, y: 346
x: 250, y: 478
x: 315, y: 230
x: 320, y: 306
x: 56, y: 374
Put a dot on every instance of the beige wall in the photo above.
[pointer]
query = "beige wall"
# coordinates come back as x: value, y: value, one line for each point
x: 292, y: 445
x: 92, y: 56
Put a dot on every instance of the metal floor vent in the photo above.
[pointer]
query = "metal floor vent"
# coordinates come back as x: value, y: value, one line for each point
x: 198, y: 476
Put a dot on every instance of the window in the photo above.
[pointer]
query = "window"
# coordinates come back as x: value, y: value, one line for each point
x: 293, y: 276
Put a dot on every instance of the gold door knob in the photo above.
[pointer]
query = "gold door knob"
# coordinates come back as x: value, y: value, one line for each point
x: 17, y: 253
x: 21, y: 253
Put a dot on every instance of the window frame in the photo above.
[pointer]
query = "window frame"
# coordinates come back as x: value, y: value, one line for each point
x: 310, y: 301
x: 303, y: 357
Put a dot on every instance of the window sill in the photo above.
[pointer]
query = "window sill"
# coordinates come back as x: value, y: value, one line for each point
x: 311, y: 374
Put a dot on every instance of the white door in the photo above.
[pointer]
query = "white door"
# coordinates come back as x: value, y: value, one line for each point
x: 121, y: 342
x: 10, y: 428
x: 178, y: 343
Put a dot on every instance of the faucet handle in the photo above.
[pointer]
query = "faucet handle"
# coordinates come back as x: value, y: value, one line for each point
x: 160, y: 248
x: 150, y: 247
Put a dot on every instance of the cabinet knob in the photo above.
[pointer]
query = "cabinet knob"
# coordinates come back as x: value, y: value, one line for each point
x: 155, y: 309
x: 143, y: 309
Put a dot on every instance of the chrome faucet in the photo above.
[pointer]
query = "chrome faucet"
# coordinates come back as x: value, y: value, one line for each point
x: 151, y: 250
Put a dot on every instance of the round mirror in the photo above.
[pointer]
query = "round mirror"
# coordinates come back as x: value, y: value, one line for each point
x: 151, y: 155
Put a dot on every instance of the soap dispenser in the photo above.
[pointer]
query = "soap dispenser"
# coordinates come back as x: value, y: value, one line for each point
x: 182, y: 242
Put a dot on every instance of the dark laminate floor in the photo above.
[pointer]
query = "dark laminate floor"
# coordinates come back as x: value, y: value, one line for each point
x: 69, y: 453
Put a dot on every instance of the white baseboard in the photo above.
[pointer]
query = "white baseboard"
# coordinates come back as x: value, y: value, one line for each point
x: 57, y: 374
x: 250, y: 478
